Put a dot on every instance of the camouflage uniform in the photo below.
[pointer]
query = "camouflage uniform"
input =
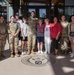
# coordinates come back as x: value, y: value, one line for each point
x: 13, y: 40
x: 32, y: 33
x: 3, y: 32
x: 64, y: 37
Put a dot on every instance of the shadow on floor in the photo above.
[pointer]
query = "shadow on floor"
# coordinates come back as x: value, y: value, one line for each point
x: 64, y: 65
x: 6, y: 54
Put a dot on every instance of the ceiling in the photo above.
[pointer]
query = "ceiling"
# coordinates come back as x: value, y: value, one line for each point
x: 37, y: 1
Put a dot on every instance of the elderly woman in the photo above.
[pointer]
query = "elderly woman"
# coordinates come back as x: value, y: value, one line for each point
x: 64, y: 37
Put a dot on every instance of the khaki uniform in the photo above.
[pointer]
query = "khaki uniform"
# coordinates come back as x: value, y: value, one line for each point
x: 3, y: 32
x: 32, y: 33
x: 13, y: 40
x: 64, y: 37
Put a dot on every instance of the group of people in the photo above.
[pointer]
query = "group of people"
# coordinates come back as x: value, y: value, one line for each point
x: 34, y: 30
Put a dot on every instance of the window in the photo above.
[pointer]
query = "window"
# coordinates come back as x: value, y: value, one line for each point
x: 69, y: 11
x: 42, y: 13
x: 30, y: 10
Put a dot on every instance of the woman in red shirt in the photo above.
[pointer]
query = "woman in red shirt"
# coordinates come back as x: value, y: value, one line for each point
x: 56, y: 33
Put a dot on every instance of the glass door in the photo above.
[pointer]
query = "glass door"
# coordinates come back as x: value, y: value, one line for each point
x: 69, y: 11
x: 42, y: 13
x: 30, y: 10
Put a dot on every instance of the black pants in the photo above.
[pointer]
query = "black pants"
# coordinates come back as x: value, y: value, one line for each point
x: 55, y: 42
x: 19, y: 35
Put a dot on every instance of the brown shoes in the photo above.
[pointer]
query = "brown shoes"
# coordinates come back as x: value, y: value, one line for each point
x: 32, y: 52
x: 28, y: 52
x: 17, y: 55
x: 12, y: 55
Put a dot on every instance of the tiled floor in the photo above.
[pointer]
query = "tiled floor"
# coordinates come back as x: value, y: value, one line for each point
x: 64, y: 65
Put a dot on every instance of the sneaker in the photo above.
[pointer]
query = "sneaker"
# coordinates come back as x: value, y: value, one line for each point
x: 48, y: 53
x: 45, y: 52
x: 71, y: 55
x: 23, y: 53
x: 39, y: 52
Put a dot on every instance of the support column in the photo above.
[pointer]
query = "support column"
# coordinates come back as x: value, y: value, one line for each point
x: 55, y: 10
x: 16, y: 5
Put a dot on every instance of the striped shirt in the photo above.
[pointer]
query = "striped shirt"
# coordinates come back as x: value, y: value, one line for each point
x: 40, y: 30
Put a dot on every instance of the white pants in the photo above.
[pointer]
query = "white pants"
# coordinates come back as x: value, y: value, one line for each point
x: 47, y: 44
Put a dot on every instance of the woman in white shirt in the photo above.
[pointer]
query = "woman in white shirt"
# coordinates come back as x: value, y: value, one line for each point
x: 24, y: 32
x: 47, y: 36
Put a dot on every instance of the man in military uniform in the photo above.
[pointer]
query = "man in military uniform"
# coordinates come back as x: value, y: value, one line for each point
x: 3, y: 34
x: 32, y: 21
x: 13, y: 31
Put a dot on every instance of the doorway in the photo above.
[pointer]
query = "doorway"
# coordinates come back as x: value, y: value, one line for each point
x: 41, y: 12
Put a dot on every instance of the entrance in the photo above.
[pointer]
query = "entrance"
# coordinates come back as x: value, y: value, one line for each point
x: 42, y: 9
x: 41, y: 12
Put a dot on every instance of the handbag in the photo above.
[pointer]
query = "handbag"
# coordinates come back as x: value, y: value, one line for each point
x: 64, y: 46
x: 71, y: 32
